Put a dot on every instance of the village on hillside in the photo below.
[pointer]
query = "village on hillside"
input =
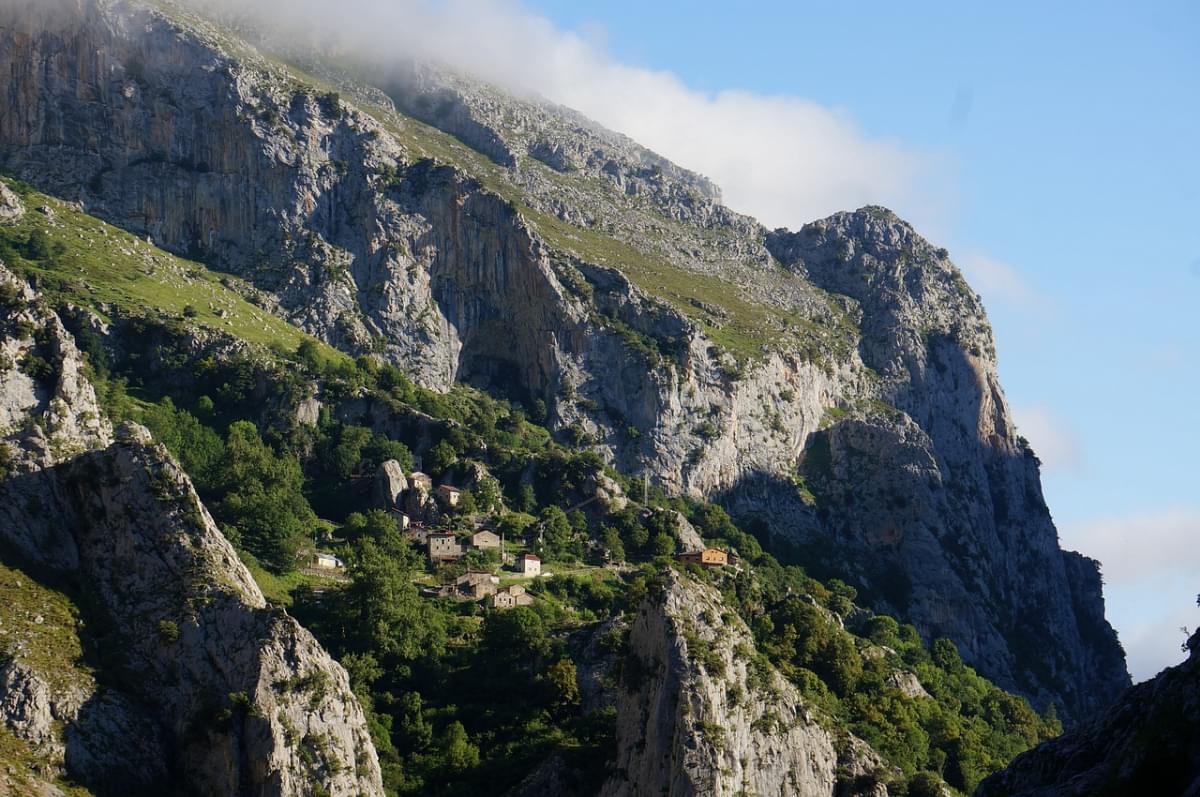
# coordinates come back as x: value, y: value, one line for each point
x: 491, y: 558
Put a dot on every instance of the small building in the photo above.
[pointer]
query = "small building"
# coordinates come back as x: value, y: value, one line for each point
x: 485, y: 540
x: 477, y: 585
x: 329, y: 561
x: 448, y: 494
x: 421, y: 480
x: 529, y: 564
x: 510, y: 596
x: 709, y: 557
x: 443, y: 547
x: 417, y: 535
x: 403, y: 520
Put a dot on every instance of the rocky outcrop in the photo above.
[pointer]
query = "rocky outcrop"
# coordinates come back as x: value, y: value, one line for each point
x: 241, y: 696
x: 934, y: 499
x: 848, y: 400
x: 697, y: 714
x: 11, y: 206
x: 390, y: 484
x: 1148, y: 742
x: 204, y: 686
x: 48, y: 409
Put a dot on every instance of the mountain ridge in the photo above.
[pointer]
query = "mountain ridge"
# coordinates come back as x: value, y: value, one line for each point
x: 627, y: 324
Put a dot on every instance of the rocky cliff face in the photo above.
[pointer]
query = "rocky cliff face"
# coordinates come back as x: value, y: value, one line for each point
x: 1148, y: 742
x: 183, y: 675
x: 698, y: 715
x: 837, y: 384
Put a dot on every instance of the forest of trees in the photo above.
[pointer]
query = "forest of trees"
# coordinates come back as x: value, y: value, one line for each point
x: 460, y: 699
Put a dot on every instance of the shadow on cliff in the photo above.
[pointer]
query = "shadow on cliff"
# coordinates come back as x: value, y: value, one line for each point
x: 112, y: 745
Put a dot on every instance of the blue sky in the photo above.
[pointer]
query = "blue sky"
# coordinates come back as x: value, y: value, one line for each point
x: 1064, y: 150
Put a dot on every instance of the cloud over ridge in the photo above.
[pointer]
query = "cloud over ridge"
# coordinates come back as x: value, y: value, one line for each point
x: 783, y: 159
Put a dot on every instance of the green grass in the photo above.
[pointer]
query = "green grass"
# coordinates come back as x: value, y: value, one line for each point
x: 19, y: 761
x: 40, y: 631
x: 104, y: 265
x: 278, y: 589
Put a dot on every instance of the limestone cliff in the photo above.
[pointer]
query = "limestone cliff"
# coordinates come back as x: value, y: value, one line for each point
x: 176, y: 673
x: 698, y: 714
x: 837, y: 384
x: 1148, y: 742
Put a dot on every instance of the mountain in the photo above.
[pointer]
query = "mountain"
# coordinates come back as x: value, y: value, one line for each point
x: 161, y: 658
x: 299, y: 268
x: 1146, y: 743
x: 834, y: 385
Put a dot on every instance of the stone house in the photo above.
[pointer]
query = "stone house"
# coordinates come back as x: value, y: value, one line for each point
x: 529, y: 564
x: 477, y: 585
x: 709, y: 557
x: 510, y: 596
x: 448, y: 494
x: 443, y: 547
x: 485, y: 540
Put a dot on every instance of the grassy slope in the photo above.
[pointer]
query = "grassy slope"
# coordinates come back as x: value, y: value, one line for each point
x: 102, y: 266
x: 39, y: 629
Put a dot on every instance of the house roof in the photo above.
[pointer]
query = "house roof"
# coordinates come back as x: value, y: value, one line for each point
x: 531, y: 556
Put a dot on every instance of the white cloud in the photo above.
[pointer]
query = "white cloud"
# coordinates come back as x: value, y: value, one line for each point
x: 1052, y: 438
x: 1151, y: 566
x: 999, y: 281
x: 1141, y: 547
x: 783, y: 159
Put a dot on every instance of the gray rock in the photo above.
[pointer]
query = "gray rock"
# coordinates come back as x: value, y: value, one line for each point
x: 11, y: 206
x: 390, y: 485
x: 689, y: 724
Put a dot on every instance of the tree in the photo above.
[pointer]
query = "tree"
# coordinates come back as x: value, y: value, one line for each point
x: 515, y: 636
x: 198, y: 448
x: 382, y: 448
x: 559, y: 540
x: 441, y: 457
x: 513, y: 525
x: 611, y: 540
x: 309, y: 356
x: 662, y: 544
x: 455, y: 749
x: 564, y: 686
x: 945, y: 655
x: 487, y: 494
x: 260, y: 498
x: 348, y: 453
x: 385, y: 614
x: 526, y: 499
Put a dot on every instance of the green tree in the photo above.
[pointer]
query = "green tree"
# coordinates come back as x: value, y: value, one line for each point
x: 348, y: 453
x: 455, y: 749
x: 559, y: 539
x: 259, y: 498
x: 198, y: 448
x: 564, y: 685
x: 611, y: 540
x: 526, y: 499
x: 487, y: 494
x: 517, y: 636
x: 384, y: 613
x: 441, y: 457
x: 309, y: 356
